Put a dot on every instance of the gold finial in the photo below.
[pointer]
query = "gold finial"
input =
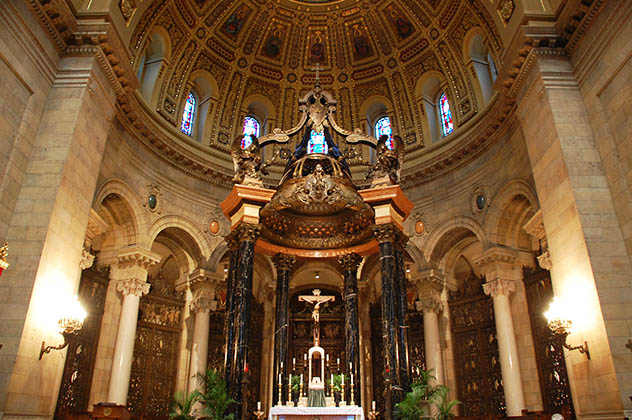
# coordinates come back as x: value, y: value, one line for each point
x: 4, y: 253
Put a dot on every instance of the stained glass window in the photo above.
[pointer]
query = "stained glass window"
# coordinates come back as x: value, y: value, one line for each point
x: 251, y: 128
x: 383, y: 126
x: 446, y: 115
x: 317, y: 143
x: 188, y: 115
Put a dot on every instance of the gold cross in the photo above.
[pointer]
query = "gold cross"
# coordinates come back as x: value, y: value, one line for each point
x: 317, y: 69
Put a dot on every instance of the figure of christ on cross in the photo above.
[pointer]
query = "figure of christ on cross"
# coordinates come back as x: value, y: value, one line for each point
x: 316, y: 300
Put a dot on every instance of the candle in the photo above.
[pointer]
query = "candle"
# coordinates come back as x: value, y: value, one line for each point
x: 301, y: 378
x: 352, y: 379
x: 281, y: 365
x: 372, y: 405
x: 305, y: 356
x: 343, y: 379
x: 279, y: 379
x: 258, y: 405
x: 350, y: 366
x: 338, y: 361
x: 327, y: 358
x: 290, y: 384
x: 293, y: 363
x: 332, y: 379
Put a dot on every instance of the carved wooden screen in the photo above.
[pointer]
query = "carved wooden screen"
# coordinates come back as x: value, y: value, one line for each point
x: 556, y: 393
x: 154, y: 364
x: 332, y: 333
x: 74, y: 392
x: 377, y: 351
x: 255, y: 345
x: 216, y: 341
x: 478, y: 375
x: 416, y: 348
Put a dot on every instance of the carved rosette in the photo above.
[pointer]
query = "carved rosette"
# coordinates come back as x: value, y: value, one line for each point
x: 247, y: 232
x: 350, y: 262
x: 429, y: 304
x: 499, y: 287
x: 203, y: 301
x: 385, y: 233
x: 284, y: 262
x: 133, y: 286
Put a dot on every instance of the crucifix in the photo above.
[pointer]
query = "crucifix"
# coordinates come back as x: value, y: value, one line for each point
x: 316, y: 300
x: 317, y: 69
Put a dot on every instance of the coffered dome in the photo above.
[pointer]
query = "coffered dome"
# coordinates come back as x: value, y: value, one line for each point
x: 376, y: 58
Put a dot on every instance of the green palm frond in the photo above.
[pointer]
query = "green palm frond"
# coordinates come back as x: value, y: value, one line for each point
x: 182, y: 405
x: 214, y: 396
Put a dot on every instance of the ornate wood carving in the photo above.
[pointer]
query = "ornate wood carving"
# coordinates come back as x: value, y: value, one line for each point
x: 82, y: 348
x: 216, y: 341
x: 556, y: 393
x: 479, y: 379
x: 416, y: 347
x: 375, y: 313
x: 154, y: 364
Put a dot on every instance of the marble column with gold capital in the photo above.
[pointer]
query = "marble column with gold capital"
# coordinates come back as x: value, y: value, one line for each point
x: 283, y: 264
x: 429, y: 286
x: 498, y: 265
x: 349, y: 264
x: 130, y: 272
x: 203, y: 285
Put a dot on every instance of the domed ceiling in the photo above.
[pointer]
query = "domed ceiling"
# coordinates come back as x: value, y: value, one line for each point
x: 363, y: 50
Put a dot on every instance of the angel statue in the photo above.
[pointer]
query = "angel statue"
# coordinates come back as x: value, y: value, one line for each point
x: 388, y: 163
x: 247, y: 160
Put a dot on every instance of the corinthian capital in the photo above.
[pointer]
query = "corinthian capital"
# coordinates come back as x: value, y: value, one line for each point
x: 350, y: 262
x: 499, y: 287
x: 133, y: 286
x: 385, y: 233
x: 284, y: 262
x: 203, y: 301
x: 429, y: 304
x: 232, y: 240
x: 248, y: 232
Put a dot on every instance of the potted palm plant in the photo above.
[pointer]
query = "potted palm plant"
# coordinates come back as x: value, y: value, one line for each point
x: 214, y: 396
x: 295, y: 388
x: 183, y: 404
x: 417, y: 403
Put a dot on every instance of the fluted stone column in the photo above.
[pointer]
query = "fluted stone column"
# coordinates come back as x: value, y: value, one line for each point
x: 401, y: 295
x: 203, y: 287
x: 248, y: 234
x: 498, y: 266
x: 350, y: 263
x: 429, y: 285
x: 385, y: 234
x: 229, y: 331
x: 131, y: 272
x: 283, y: 264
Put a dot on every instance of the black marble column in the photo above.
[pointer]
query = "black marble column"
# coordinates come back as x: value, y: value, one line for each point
x: 402, y: 309
x: 283, y: 264
x: 350, y: 263
x: 385, y: 235
x: 229, y: 331
x: 248, y: 234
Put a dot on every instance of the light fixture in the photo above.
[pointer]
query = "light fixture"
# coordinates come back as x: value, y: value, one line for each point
x: 316, y: 275
x: 560, y: 324
x: 225, y: 268
x: 70, y: 323
x: 4, y: 253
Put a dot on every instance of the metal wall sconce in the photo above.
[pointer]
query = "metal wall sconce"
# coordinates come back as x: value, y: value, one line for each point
x: 69, y: 325
x: 561, y: 326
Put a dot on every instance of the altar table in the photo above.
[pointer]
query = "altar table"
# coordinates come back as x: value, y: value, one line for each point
x: 350, y: 412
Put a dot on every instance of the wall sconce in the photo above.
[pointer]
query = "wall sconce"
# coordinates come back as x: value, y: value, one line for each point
x: 559, y: 323
x: 69, y: 324
x: 4, y: 253
x: 317, y: 275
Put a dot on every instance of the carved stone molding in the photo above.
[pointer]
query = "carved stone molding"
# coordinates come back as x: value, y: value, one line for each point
x: 499, y: 287
x: 499, y: 263
x: 203, y: 301
x: 137, y: 256
x: 133, y: 286
x: 429, y: 304
x: 96, y: 226
x: 248, y: 232
x: 350, y: 262
x: 283, y: 262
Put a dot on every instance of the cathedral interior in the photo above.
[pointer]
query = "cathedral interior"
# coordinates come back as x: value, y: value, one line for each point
x: 283, y: 189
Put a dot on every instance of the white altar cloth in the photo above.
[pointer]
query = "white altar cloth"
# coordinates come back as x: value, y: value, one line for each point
x: 277, y: 412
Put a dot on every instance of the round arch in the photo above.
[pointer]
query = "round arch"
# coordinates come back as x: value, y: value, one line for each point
x: 193, y: 239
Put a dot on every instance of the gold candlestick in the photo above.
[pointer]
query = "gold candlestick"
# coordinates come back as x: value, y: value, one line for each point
x: 280, y: 402
x: 343, y: 398
x: 352, y: 397
x: 373, y: 415
x: 259, y: 414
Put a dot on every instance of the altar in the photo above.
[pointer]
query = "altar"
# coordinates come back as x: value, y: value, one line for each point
x: 350, y: 412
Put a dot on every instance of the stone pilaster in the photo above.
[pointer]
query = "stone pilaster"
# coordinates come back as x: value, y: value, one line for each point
x: 130, y: 272
x: 498, y: 265
x: 349, y: 264
x: 283, y: 264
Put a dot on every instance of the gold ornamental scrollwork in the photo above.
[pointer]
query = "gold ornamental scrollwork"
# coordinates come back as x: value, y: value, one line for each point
x: 284, y: 262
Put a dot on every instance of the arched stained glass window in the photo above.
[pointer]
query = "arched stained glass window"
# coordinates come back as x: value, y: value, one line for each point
x: 251, y: 128
x: 188, y: 115
x: 383, y: 126
x: 317, y: 143
x: 446, y: 115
